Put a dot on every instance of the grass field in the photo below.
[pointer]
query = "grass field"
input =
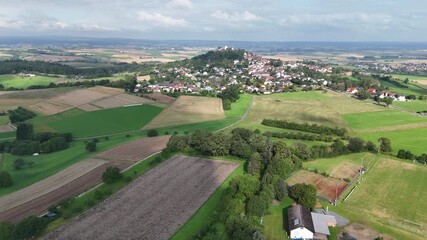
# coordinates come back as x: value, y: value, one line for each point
x: 274, y: 220
x: 401, y: 196
x: 107, y: 121
x: 7, y: 135
x: 9, y: 80
x: 410, y: 89
x: 310, y: 111
x: 413, y: 140
x: 370, y: 120
x: 300, y: 95
x: 4, y: 120
x: 414, y: 106
x: 199, y: 219
x: 239, y: 108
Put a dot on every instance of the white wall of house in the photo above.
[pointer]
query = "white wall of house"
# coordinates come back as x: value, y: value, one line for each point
x: 301, y: 233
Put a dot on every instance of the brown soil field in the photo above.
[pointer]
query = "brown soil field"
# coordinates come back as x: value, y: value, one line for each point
x: 326, y: 187
x: 39, y: 205
x: 49, y: 107
x: 158, y: 97
x: 154, y: 206
x: 189, y: 109
x: 136, y: 150
x: 360, y: 231
x: 119, y: 101
x: 6, y: 128
x: 345, y: 170
x: 143, y: 78
x: 80, y: 97
x: 88, y: 108
x: 49, y: 184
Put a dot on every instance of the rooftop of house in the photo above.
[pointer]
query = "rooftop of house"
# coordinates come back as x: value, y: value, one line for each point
x: 299, y: 216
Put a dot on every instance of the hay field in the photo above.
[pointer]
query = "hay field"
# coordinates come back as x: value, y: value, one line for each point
x: 11, y: 80
x: 154, y: 206
x: 12, y: 100
x: 401, y: 196
x: 189, y: 109
x: 312, y: 111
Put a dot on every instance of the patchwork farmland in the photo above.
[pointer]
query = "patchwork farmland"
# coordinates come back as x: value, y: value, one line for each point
x: 165, y: 196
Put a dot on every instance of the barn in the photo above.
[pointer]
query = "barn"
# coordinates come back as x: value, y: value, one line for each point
x: 300, y: 223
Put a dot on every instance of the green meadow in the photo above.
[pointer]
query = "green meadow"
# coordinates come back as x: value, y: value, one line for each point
x: 300, y: 95
x: 107, y: 121
x: 414, y: 140
x: 328, y: 164
x: 369, y: 120
x: 10, y: 80
x: 413, y: 106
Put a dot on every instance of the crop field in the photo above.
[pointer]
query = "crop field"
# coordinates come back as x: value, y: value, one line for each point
x: 73, y: 99
x: 12, y: 100
x: 153, y: 206
x: 371, y: 120
x: 344, y: 104
x: 136, y: 150
x: 401, y: 196
x: 107, y: 121
x: 62, y: 190
x: 119, y: 100
x: 414, y: 106
x: 413, y: 140
x: 9, y: 80
x: 189, y: 109
x: 326, y: 187
x: 158, y: 97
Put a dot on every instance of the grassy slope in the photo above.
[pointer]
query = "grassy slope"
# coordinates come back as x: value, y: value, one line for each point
x: 413, y: 140
x: 414, y: 106
x: 10, y: 80
x: 107, y: 121
x: 401, y: 196
x: 199, y: 219
x: 412, y: 89
x: 368, y: 120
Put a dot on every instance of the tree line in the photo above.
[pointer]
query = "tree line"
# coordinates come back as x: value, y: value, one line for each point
x: 19, y: 66
x: 20, y: 115
x: 301, y: 136
x: 27, y: 142
x: 305, y: 127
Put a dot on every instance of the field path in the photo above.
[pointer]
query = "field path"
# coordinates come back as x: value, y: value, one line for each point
x: 241, y: 119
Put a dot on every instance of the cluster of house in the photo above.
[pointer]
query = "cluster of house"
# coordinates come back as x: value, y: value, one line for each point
x: 380, y: 95
x: 256, y: 74
x: 303, y: 224
x: 394, y: 67
x: 26, y: 75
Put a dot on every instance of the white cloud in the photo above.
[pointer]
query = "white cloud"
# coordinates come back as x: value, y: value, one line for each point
x: 11, y: 24
x: 345, y: 20
x: 246, y: 16
x: 159, y: 20
x: 181, y: 3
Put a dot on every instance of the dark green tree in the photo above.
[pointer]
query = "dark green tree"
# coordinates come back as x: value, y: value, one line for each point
x: 385, y: 145
x: 90, y: 146
x: 304, y: 194
x: 24, y: 131
x: 356, y: 144
x: 112, y: 175
x: 5, y: 179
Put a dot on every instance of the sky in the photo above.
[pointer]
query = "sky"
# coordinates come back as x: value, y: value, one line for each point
x: 272, y: 20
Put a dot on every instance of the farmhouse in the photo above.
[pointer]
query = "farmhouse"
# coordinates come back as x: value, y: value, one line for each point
x: 303, y: 224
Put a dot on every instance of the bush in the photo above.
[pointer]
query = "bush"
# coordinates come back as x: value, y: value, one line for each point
x: 356, y: 145
x: 29, y: 227
x: 91, y: 146
x: 280, y: 189
x: 90, y: 203
x: 111, y: 175
x: 77, y: 210
x: 305, y: 127
x: 152, y: 133
x: 304, y: 194
x: 226, y: 104
x: 6, y: 230
x: 19, y: 164
x: 5, y: 179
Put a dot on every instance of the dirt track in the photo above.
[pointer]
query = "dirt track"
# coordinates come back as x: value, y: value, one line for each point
x: 153, y: 206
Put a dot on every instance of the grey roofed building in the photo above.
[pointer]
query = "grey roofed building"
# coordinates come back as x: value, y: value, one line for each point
x: 300, y: 217
x: 322, y: 223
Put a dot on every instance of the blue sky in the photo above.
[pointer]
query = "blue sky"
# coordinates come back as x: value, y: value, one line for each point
x: 273, y: 20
